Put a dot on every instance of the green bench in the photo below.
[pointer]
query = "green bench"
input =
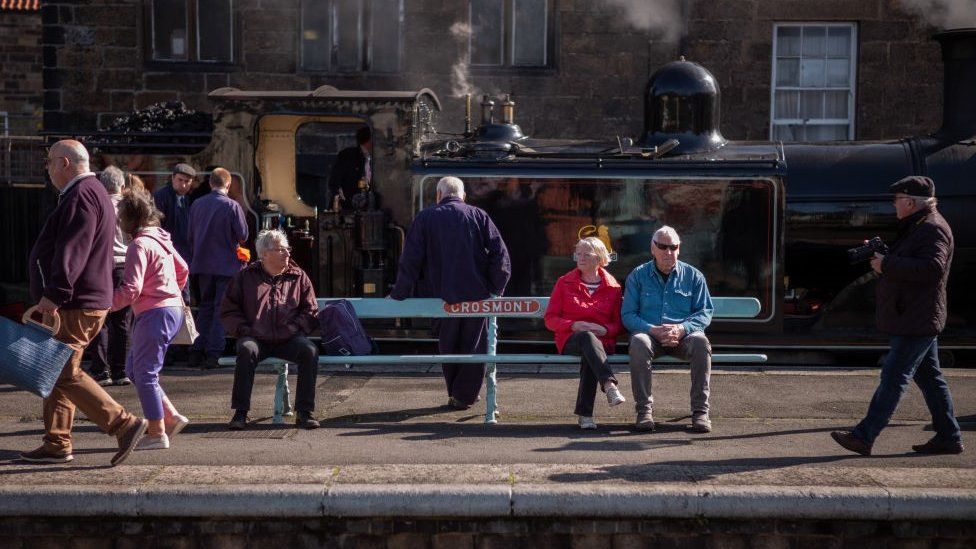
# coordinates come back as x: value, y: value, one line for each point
x: 494, y: 308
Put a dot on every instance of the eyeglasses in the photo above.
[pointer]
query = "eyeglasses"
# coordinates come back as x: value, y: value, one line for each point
x: 672, y: 247
x: 49, y: 159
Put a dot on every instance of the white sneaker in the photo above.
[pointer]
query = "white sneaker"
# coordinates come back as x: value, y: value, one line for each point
x: 586, y: 422
x: 613, y: 395
x: 150, y: 442
x: 179, y: 422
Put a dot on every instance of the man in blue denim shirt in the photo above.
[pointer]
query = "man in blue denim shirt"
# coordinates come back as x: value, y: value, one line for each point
x: 667, y: 308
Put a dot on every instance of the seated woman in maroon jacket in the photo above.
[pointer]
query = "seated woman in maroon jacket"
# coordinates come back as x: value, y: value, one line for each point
x: 584, y: 314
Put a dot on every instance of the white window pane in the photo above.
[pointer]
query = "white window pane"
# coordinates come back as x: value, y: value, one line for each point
x: 813, y: 41
x: 788, y: 41
x: 811, y: 105
x: 486, y: 32
x: 316, y: 38
x: 787, y: 104
x: 838, y: 72
x: 812, y: 73
x: 839, y: 42
x: 169, y: 29
x: 385, y: 35
x: 347, y: 30
x: 826, y: 133
x: 836, y: 104
x: 529, y: 33
x: 787, y: 72
x: 215, y: 30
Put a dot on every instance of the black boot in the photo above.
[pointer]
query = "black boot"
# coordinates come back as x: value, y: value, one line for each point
x: 306, y: 421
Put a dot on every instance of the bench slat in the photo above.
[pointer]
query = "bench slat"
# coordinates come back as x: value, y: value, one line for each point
x: 742, y: 358
x: 372, y: 307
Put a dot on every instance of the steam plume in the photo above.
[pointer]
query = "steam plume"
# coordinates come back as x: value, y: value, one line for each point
x: 944, y: 14
x: 460, y: 82
x: 660, y: 16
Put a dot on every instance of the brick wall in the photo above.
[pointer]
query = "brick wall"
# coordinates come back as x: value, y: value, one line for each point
x: 94, y: 64
x: 409, y: 532
x: 20, y: 57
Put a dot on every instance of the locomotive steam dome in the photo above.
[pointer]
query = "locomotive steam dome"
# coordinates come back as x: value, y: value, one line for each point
x: 682, y: 102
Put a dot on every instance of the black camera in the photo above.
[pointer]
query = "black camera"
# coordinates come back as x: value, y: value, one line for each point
x: 867, y: 251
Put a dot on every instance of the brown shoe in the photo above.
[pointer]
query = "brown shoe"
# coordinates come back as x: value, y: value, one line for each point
x: 936, y: 447
x: 129, y: 438
x: 41, y: 455
x: 851, y: 442
x: 457, y: 404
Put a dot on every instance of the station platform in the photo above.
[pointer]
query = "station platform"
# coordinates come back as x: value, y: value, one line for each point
x: 390, y: 448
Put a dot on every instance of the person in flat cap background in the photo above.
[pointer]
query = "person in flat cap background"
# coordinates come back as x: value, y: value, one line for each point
x: 911, y: 308
x: 173, y: 201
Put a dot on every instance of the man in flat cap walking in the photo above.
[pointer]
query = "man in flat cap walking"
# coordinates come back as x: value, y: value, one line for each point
x: 911, y: 308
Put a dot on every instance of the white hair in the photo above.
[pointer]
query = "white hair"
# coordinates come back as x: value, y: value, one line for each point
x: 113, y: 179
x: 267, y: 238
x: 669, y: 231
x: 450, y: 186
x: 924, y: 201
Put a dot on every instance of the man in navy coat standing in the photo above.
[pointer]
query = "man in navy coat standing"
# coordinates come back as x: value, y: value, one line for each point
x: 217, y: 227
x: 453, y: 251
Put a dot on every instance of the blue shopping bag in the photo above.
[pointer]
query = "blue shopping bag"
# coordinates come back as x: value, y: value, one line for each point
x: 30, y: 357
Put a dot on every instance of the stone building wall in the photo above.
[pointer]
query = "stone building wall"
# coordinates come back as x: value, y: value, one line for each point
x: 20, y: 57
x: 95, y: 64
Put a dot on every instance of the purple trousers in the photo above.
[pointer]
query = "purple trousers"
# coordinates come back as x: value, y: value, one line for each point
x: 152, y: 332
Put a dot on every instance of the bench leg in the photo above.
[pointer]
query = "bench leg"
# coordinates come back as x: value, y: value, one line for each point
x: 282, y: 400
x: 490, y: 374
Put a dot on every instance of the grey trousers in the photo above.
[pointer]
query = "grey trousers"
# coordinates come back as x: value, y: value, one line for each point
x: 694, y: 348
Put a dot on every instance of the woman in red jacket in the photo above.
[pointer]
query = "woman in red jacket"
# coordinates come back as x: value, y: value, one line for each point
x: 584, y: 314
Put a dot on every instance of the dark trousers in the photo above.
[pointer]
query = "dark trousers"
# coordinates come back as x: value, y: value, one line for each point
x: 911, y: 358
x: 299, y: 350
x: 111, y: 346
x: 593, y: 369
x: 463, y: 336
x: 211, y: 340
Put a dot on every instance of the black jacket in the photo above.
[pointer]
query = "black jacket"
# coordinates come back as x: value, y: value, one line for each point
x: 348, y: 169
x: 912, y: 288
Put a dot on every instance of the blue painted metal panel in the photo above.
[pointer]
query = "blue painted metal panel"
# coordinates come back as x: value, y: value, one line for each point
x: 506, y: 307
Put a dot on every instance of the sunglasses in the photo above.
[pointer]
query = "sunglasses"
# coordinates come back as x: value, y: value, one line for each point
x: 672, y: 247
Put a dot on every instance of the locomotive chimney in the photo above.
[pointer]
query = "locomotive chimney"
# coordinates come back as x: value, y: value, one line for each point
x: 959, y: 84
x: 682, y: 102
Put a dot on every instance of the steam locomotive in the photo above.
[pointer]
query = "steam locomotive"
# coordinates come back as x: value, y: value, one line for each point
x: 768, y: 220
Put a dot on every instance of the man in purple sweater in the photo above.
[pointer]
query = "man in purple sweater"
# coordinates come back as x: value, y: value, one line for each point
x: 71, y: 276
x: 453, y: 251
x: 217, y: 227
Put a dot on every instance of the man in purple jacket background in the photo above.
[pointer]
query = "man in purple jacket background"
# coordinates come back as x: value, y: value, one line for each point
x: 453, y: 251
x: 71, y: 276
x: 217, y: 227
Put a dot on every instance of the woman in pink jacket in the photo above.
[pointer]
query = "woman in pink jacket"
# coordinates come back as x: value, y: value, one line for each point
x: 151, y: 282
x: 584, y: 313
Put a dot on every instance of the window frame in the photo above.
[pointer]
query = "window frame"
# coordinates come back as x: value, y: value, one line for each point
x: 851, y: 88
x: 365, y: 42
x: 507, y: 40
x: 192, y: 60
